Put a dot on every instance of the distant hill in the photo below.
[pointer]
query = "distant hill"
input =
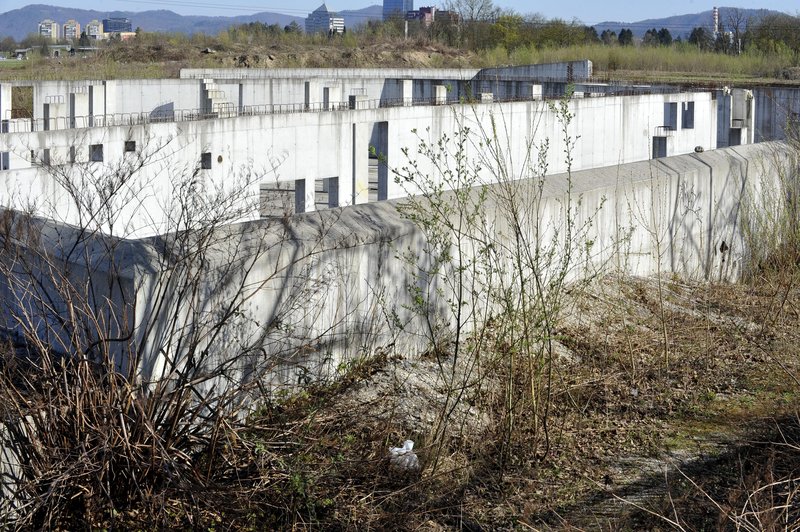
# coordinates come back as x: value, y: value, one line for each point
x: 18, y: 23
x: 682, y: 25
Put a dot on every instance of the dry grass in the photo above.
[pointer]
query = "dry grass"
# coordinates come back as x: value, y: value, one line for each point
x: 156, y: 55
x: 317, y: 459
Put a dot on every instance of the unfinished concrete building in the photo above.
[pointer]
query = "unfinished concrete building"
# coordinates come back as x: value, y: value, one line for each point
x: 344, y: 146
x: 316, y: 136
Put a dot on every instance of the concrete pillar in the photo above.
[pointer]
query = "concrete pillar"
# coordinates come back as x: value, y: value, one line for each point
x: 407, y: 92
x: 331, y: 95
x: 79, y: 108
x: 304, y: 195
x: 312, y: 95
x: 440, y: 94
x: 361, y: 134
x: 353, y: 178
x: 5, y: 102
x: 109, y: 98
x: 532, y: 91
x: 332, y: 188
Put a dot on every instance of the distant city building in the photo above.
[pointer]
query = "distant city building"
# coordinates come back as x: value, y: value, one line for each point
x: 396, y: 8
x: 94, y: 30
x: 117, y: 25
x: 50, y: 29
x: 323, y: 21
x: 72, y: 30
x: 426, y: 15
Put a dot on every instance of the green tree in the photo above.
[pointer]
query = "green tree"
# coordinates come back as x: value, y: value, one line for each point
x: 650, y: 38
x: 591, y: 35
x: 664, y: 37
x: 293, y: 28
x: 625, y: 37
x: 701, y: 38
x: 473, y: 10
x: 608, y: 37
x: 776, y: 32
x: 509, y: 30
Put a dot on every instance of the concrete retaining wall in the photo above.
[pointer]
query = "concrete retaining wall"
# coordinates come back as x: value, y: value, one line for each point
x: 308, y: 147
x: 776, y: 107
x: 317, y: 290
x: 313, y: 292
x: 567, y: 71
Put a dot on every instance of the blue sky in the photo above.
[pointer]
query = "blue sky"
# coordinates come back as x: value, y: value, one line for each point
x: 587, y: 12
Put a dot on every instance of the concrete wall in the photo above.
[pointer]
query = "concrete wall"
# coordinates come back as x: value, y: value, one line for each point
x: 315, y: 290
x: 775, y: 108
x: 64, y: 104
x: 134, y: 96
x: 737, y: 117
x: 313, y: 146
x: 567, y: 71
x: 329, y: 73
x: 337, y: 279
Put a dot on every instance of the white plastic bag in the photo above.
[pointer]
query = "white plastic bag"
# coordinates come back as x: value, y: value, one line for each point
x: 403, y: 459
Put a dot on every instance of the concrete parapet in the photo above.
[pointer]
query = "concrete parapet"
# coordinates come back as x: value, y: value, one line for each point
x: 329, y: 73
x: 334, y: 275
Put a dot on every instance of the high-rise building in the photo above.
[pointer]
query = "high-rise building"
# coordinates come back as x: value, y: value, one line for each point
x: 396, y: 8
x: 116, y: 25
x: 94, y: 30
x: 50, y: 29
x: 72, y: 30
x: 426, y: 15
x: 323, y: 21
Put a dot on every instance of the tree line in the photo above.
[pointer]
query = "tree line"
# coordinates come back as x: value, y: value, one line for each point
x: 479, y: 25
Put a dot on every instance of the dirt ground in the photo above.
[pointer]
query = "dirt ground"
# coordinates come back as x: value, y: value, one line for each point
x: 698, y: 435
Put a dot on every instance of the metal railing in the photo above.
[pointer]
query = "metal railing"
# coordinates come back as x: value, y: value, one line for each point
x: 663, y: 131
x: 28, y: 125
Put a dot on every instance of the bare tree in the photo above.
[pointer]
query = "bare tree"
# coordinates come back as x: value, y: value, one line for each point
x: 131, y: 358
x: 737, y: 23
x: 473, y: 10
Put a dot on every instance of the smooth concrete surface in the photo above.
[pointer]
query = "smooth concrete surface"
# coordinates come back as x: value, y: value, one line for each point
x: 570, y: 71
x: 315, y: 290
x: 246, y: 151
x: 777, y: 111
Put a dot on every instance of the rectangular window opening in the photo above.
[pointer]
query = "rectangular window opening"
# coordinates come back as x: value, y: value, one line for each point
x: 671, y: 115
x: 659, y: 147
x: 46, y: 157
x: 205, y: 161
x: 687, y: 115
x: 130, y: 146
x: 96, y: 153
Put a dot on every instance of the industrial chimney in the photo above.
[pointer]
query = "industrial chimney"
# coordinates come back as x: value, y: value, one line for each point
x: 716, y: 21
